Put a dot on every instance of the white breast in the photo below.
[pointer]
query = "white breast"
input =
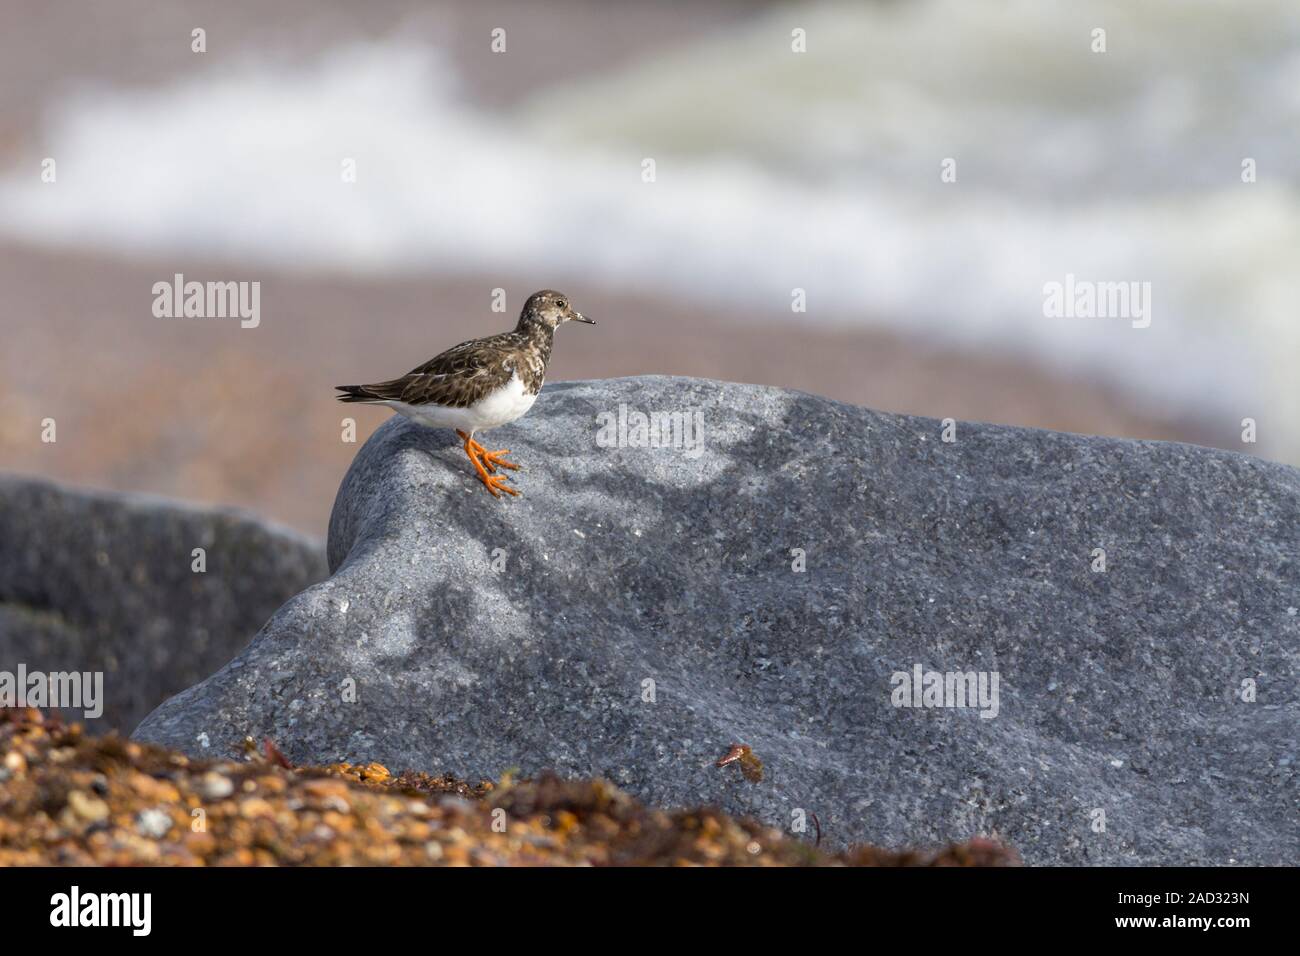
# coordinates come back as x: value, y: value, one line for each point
x: 507, y: 403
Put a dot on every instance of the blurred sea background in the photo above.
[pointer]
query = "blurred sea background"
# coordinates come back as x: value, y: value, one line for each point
x: 775, y: 171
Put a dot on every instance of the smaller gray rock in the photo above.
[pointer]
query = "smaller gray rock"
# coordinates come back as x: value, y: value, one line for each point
x: 99, y: 582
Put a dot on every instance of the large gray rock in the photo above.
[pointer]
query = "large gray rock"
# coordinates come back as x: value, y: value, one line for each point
x: 1121, y: 692
x: 91, y: 581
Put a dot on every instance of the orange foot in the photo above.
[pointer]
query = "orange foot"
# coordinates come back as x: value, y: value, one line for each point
x: 486, y: 471
x: 490, y: 459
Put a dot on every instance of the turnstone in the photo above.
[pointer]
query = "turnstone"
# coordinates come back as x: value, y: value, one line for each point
x: 479, y: 384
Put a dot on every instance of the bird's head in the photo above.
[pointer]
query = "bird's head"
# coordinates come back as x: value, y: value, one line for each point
x: 551, y: 309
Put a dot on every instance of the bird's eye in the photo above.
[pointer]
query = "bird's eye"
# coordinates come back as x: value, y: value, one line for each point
x: 561, y: 303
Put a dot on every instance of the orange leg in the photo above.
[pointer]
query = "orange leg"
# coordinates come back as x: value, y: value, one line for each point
x: 490, y: 459
x: 495, y: 484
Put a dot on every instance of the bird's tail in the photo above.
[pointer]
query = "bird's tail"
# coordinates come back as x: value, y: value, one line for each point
x: 356, y: 393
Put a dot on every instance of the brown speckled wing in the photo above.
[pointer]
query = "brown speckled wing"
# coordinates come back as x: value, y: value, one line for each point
x: 458, y: 378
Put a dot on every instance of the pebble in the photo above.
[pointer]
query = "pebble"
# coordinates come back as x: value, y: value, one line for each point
x: 214, y: 786
x: 87, y: 807
x: 154, y: 823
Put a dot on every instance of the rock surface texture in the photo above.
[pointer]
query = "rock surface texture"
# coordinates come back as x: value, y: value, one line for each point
x: 640, y: 609
x: 106, y: 583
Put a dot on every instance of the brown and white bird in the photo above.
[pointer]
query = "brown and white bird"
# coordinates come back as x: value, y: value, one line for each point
x: 479, y: 384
